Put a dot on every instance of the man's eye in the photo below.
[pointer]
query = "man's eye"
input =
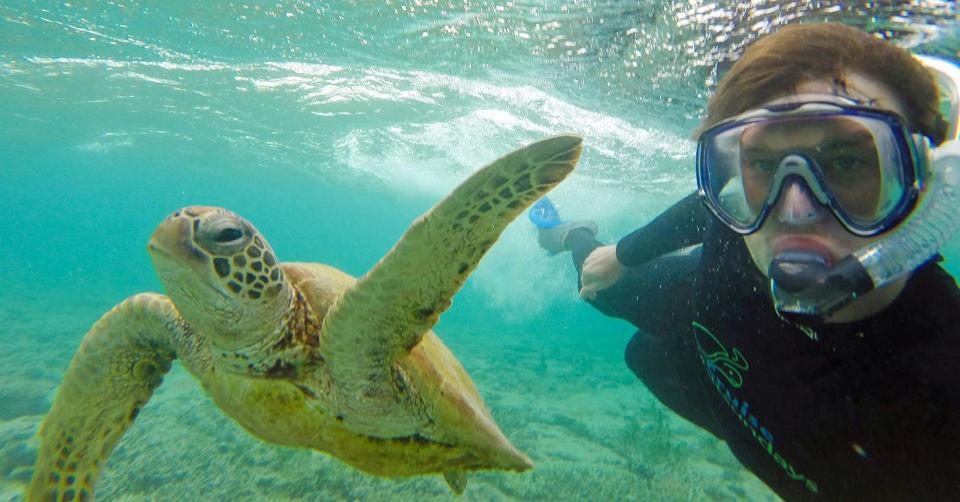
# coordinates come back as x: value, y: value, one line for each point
x: 846, y: 162
x: 761, y: 164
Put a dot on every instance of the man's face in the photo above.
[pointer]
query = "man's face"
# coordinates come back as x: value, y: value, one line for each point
x: 798, y: 222
x: 843, y: 147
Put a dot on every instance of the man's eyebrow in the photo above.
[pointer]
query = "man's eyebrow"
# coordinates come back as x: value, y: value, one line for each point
x: 756, y: 148
x: 751, y: 135
x: 857, y: 137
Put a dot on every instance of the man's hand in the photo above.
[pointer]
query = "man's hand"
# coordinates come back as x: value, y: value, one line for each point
x: 600, y: 271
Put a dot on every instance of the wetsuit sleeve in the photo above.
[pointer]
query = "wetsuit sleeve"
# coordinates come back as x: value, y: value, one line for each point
x: 682, y: 225
x: 646, y: 295
x: 648, y: 282
x: 652, y: 295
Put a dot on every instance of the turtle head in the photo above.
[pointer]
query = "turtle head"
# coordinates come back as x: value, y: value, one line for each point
x: 221, y: 274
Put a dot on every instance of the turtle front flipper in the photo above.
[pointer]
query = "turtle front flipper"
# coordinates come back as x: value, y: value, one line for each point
x: 120, y: 362
x: 387, y: 312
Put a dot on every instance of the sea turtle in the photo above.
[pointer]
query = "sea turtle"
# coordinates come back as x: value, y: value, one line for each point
x: 302, y: 354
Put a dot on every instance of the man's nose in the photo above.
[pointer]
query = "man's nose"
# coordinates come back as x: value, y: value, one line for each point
x: 797, y: 205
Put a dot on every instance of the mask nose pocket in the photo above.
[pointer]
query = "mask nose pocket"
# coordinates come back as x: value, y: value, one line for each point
x: 797, y: 205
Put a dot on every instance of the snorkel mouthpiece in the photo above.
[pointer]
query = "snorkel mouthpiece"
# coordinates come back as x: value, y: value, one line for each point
x: 796, y: 271
x: 804, y: 284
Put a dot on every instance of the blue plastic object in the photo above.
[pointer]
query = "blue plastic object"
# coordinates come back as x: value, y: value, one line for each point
x: 544, y: 214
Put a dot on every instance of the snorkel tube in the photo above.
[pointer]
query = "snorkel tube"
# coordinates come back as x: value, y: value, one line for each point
x: 820, y: 290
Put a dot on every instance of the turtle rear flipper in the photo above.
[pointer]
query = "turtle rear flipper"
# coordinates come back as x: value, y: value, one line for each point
x: 120, y: 362
x: 387, y: 312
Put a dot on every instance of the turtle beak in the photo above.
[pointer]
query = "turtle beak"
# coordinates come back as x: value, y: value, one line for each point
x: 172, y: 241
x: 176, y: 257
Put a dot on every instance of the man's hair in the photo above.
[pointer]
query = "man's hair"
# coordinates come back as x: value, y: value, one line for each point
x: 774, y: 64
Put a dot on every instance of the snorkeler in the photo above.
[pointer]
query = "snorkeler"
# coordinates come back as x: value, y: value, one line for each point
x: 794, y: 307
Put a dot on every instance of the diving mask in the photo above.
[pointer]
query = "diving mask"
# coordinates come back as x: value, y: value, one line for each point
x: 862, y: 163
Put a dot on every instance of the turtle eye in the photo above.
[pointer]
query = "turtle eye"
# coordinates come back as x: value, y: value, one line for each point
x: 224, y: 234
x: 228, y: 235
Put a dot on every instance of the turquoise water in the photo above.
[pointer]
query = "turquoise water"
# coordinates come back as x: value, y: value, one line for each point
x: 331, y: 126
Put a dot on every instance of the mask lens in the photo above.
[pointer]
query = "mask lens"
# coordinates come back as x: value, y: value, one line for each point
x: 864, y: 169
x: 726, y: 185
x: 861, y: 167
x: 857, y: 164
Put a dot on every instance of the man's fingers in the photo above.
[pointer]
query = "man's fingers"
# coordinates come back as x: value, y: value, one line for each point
x: 600, y: 271
x: 588, y: 293
x: 591, y: 285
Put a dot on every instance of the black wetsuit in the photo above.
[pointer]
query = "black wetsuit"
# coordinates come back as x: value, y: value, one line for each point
x: 868, y: 410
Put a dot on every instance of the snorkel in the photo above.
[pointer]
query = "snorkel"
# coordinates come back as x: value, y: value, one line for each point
x: 809, y: 288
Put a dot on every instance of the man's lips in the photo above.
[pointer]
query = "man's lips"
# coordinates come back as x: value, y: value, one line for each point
x: 802, y: 244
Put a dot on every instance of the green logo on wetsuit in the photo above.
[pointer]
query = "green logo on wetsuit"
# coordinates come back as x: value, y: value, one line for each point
x: 726, y: 370
x: 728, y: 365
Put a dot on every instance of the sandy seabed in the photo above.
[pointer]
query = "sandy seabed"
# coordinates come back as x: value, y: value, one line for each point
x: 593, y: 431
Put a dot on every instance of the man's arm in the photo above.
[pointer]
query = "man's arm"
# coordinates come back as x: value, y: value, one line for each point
x: 683, y: 224
x: 629, y: 290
